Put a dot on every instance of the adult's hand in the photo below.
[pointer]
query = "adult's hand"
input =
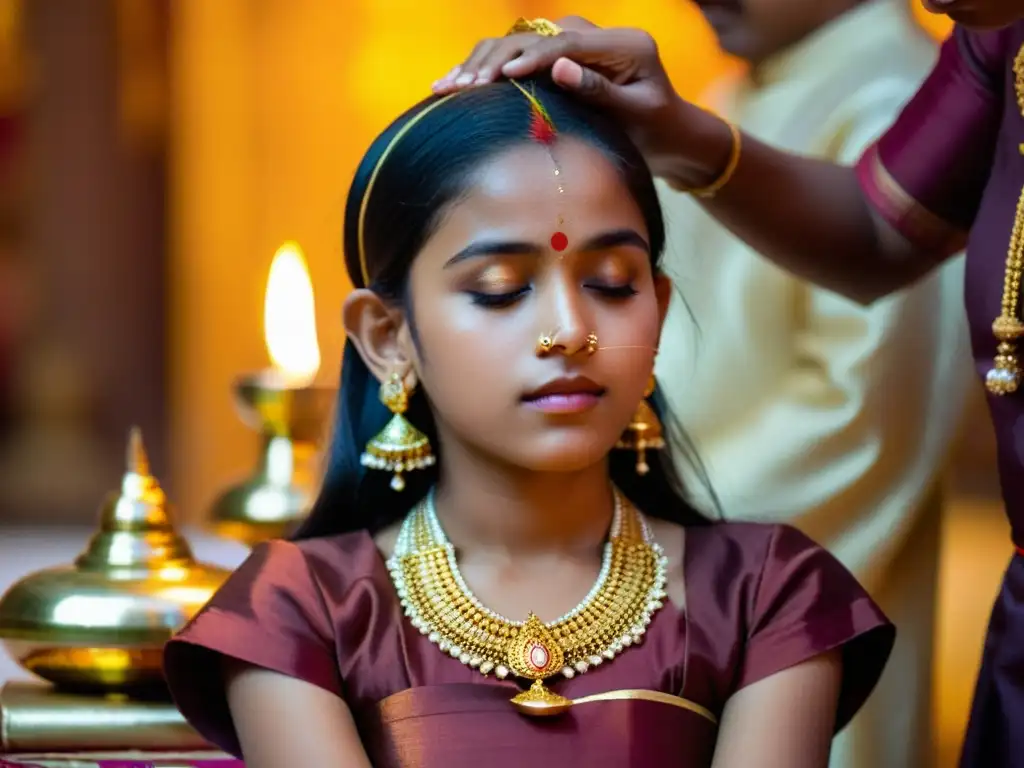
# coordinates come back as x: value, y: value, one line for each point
x: 617, y: 69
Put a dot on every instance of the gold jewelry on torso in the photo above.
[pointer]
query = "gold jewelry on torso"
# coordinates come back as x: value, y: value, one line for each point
x: 1006, y: 374
x: 613, y: 616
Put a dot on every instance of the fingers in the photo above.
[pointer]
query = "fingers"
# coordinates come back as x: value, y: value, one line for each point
x: 614, y: 52
x: 593, y: 86
x: 466, y: 73
x: 617, y: 54
x: 567, y: 73
x: 488, y: 58
x: 485, y: 62
x: 542, y: 54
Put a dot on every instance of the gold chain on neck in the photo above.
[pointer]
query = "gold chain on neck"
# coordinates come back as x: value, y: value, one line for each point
x: 1006, y: 374
x: 614, y: 616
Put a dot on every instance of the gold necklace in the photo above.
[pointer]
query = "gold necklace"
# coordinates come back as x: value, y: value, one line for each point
x: 613, y: 616
x: 1006, y: 374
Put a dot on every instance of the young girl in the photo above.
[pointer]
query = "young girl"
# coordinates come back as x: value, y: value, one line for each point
x: 505, y: 244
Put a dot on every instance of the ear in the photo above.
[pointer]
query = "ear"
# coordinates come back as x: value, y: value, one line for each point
x: 379, y: 333
x: 663, y: 293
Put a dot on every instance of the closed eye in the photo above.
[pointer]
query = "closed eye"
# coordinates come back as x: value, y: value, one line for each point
x: 614, y: 291
x: 497, y: 300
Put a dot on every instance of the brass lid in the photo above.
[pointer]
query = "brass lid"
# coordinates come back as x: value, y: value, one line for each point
x: 135, y: 527
x: 134, y: 584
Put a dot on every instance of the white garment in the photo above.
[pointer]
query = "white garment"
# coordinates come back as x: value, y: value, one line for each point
x: 806, y: 407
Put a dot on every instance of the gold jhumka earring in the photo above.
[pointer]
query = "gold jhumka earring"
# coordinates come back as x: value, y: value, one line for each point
x: 399, y: 447
x: 644, y: 432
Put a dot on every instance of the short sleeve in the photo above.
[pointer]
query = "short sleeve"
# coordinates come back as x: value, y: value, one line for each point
x: 926, y: 175
x: 807, y: 603
x: 269, y: 613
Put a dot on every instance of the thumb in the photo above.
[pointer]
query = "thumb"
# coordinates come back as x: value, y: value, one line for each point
x: 592, y: 86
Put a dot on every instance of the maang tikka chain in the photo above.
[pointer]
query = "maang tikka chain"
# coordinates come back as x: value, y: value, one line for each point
x: 544, y: 132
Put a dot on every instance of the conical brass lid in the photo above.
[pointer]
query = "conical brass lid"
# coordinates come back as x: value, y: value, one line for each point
x: 135, y: 526
x: 101, y: 623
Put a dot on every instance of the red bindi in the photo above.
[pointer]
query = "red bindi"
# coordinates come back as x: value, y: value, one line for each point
x: 559, y: 241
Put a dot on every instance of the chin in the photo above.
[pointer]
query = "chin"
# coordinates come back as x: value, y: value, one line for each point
x: 566, y: 454
x: 734, y: 42
x: 990, y: 15
x: 981, y: 21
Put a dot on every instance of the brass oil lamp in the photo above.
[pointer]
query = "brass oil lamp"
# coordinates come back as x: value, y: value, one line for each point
x: 286, y: 410
x: 101, y: 623
x: 276, y: 497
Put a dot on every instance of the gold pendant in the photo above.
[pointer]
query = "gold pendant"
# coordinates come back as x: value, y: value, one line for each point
x: 535, y: 654
x: 539, y: 701
x: 1006, y: 375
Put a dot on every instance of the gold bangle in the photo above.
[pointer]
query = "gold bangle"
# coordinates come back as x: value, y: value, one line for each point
x: 730, y: 168
x: 541, y: 27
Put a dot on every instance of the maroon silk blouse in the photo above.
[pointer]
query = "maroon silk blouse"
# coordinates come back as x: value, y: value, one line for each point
x: 759, y: 599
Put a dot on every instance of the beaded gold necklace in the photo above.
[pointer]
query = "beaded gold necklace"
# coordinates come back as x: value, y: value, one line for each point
x: 612, y: 617
x: 1006, y: 374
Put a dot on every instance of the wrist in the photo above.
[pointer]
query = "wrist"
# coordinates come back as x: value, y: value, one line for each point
x: 695, y: 148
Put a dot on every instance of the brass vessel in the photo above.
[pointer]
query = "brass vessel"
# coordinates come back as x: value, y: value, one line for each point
x: 101, y: 623
x: 276, y: 497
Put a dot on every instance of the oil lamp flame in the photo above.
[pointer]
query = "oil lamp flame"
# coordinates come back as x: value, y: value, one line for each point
x: 289, y: 318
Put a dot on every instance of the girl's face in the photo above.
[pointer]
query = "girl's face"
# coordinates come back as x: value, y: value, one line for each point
x: 490, y: 282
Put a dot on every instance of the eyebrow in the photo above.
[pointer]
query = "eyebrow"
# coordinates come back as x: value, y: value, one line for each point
x: 614, y: 238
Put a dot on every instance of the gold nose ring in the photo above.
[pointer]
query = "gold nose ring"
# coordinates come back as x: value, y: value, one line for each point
x: 591, y: 342
x: 545, y: 343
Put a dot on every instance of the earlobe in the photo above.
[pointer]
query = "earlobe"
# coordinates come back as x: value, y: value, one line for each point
x: 373, y: 328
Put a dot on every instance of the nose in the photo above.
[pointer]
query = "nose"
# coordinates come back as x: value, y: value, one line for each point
x: 570, y: 331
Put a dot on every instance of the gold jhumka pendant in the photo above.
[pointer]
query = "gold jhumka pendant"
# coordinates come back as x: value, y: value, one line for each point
x: 1006, y: 374
x: 535, y: 655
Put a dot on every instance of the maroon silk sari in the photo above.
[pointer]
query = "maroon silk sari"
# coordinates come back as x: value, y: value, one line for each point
x: 759, y: 598
x: 949, y: 166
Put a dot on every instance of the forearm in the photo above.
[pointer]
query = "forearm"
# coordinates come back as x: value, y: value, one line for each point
x: 808, y: 216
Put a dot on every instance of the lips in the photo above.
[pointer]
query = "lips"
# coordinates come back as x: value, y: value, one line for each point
x: 565, y: 395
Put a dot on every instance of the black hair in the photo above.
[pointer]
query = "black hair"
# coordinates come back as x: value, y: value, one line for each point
x: 428, y: 169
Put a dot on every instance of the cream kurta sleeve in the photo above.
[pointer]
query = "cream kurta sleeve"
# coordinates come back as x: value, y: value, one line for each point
x: 846, y: 432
